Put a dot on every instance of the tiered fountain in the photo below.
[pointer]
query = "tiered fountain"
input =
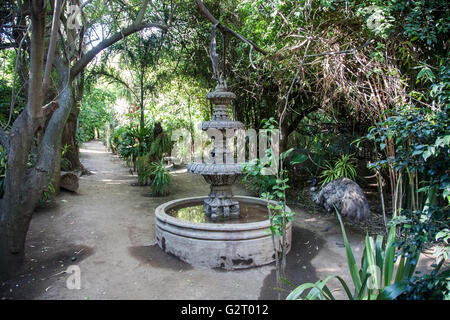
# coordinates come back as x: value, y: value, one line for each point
x: 221, y: 171
x: 220, y: 230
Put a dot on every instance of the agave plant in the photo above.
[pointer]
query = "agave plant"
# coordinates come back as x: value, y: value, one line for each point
x: 374, y: 280
x: 161, y: 179
x: 343, y: 168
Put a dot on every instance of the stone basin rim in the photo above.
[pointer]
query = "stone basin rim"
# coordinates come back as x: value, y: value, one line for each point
x: 160, y: 214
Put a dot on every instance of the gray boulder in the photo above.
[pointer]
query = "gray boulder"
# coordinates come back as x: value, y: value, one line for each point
x: 344, y: 194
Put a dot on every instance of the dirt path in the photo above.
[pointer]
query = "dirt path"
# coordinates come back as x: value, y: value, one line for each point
x: 106, y: 230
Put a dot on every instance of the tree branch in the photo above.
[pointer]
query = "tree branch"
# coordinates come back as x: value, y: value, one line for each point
x: 225, y: 29
x: 84, y: 61
x: 51, y: 46
x: 141, y: 13
x: 116, y: 79
x: 368, y: 42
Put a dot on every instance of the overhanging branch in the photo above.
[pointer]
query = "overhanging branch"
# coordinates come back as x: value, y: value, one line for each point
x: 84, y: 61
x: 225, y: 29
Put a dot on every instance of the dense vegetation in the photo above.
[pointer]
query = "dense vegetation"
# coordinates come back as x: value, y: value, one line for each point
x: 357, y: 88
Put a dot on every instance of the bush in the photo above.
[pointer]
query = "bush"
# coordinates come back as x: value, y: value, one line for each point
x: 161, y: 180
x: 144, y: 170
x: 160, y: 146
x: 256, y: 180
x: 134, y: 142
x: 433, y: 286
x: 344, y: 167
x: 376, y: 279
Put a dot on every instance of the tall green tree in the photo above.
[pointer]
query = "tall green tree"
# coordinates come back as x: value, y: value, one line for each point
x: 34, y: 154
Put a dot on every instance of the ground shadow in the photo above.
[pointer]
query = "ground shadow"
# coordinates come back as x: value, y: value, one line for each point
x: 154, y: 256
x: 305, y: 246
x: 37, y: 276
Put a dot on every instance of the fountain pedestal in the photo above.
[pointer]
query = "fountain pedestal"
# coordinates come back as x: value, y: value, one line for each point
x: 221, y: 171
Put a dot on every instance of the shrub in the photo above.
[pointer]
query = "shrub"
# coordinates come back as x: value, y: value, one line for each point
x: 344, y: 167
x: 160, y: 146
x: 144, y: 170
x: 135, y: 142
x: 375, y: 279
x: 257, y: 181
x: 161, y: 180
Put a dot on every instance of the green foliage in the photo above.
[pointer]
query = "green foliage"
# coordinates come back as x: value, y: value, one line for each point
x: 160, y: 146
x: 96, y: 110
x: 115, y: 139
x: 254, y: 177
x: 421, y: 140
x: 255, y: 171
x: 420, y: 227
x: 135, y: 141
x: 153, y: 174
x: 344, y: 167
x: 65, y: 163
x: 144, y: 170
x: 374, y: 279
x: 433, y: 286
x: 47, y: 194
x: 8, y: 60
x: 161, y: 179
x: 425, y: 21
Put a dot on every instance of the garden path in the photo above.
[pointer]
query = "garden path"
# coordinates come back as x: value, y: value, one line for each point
x: 106, y: 229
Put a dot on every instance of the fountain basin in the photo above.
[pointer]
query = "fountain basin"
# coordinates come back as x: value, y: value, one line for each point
x: 231, y: 244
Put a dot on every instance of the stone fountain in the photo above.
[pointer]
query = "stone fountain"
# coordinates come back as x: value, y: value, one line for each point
x: 219, y: 230
x: 222, y: 170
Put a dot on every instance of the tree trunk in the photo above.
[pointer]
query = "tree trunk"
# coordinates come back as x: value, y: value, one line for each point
x: 22, y: 183
x: 69, y: 138
x: 141, y: 102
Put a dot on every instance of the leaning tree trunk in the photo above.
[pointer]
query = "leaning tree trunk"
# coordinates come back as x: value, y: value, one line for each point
x: 24, y: 185
x: 16, y: 206
x: 69, y: 136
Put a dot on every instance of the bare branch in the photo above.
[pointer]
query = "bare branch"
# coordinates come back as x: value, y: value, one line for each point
x: 84, y: 61
x: 115, y: 78
x: 51, y: 46
x: 224, y: 28
x: 353, y: 50
x: 13, y: 87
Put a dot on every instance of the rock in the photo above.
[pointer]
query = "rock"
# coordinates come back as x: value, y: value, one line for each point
x: 69, y: 180
x: 343, y: 195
